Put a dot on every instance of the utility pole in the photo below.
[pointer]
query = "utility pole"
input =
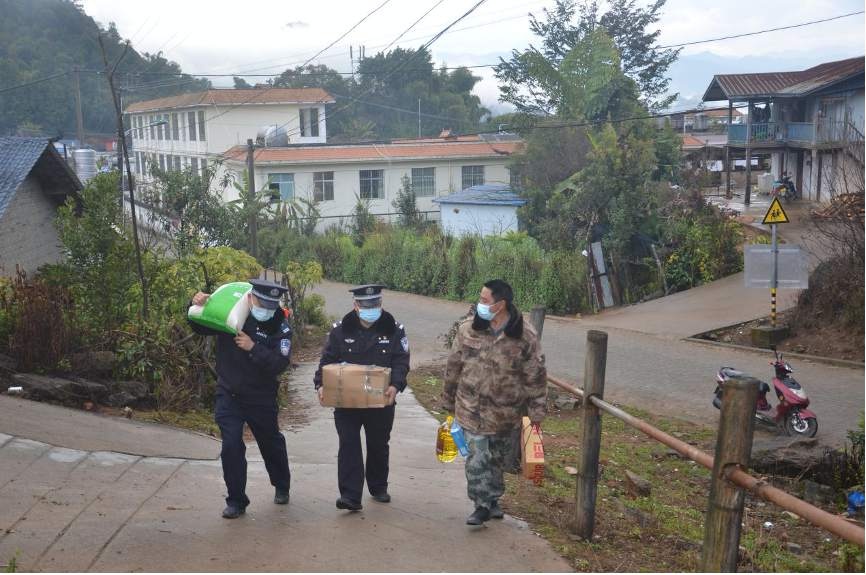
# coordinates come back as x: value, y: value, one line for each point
x: 79, y: 118
x: 109, y: 72
x: 251, y: 191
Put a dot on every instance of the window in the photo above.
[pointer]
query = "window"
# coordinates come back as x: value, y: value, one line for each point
x: 162, y: 162
x: 201, y: 126
x: 323, y: 186
x: 177, y: 164
x: 472, y: 176
x: 152, y: 127
x: 190, y: 120
x: 309, y: 122
x: 193, y: 164
x: 203, y: 168
x: 169, y: 162
x: 175, y: 128
x: 371, y: 184
x: 424, y: 181
x: 282, y: 187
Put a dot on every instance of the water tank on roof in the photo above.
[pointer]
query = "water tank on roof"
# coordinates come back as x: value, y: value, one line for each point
x: 701, y: 122
x: 272, y: 136
x: 85, y: 163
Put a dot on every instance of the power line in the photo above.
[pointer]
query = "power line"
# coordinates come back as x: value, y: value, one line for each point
x: 346, y: 33
x: 403, y: 33
x: 756, y: 32
x: 32, y: 82
x: 401, y: 65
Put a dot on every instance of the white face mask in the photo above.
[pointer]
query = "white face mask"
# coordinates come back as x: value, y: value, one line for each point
x: 484, y: 312
x: 262, y: 314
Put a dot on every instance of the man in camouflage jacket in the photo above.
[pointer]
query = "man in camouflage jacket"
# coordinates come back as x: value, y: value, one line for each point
x: 495, y: 374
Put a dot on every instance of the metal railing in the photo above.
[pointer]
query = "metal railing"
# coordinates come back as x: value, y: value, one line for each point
x: 722, y: 531
x: 823, y: 132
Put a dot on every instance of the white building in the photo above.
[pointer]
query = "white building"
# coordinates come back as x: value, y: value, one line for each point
x: 199, y: 127
x: 336, y: 176
x: 483, y: 210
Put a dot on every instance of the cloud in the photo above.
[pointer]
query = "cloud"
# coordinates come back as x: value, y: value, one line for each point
x: 297, y: 24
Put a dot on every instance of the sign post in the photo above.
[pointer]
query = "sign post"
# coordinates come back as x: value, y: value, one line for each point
x: 775, y: 215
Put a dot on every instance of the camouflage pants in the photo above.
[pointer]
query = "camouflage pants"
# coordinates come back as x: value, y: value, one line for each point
x: 485, y: 464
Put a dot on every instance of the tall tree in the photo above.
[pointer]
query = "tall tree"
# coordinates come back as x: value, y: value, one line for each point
x: 628, y: 25
x: 51, y: 37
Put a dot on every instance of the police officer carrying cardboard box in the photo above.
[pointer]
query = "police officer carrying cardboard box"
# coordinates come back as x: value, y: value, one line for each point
x: 367, y: 335
x: 248, y: 366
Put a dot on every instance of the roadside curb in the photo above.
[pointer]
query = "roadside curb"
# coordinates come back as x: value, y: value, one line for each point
x: 814, y: 358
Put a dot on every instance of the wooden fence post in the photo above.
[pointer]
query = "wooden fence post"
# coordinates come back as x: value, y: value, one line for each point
x: 733, y: 449
x: 536, y: 318
x: 589, y: 435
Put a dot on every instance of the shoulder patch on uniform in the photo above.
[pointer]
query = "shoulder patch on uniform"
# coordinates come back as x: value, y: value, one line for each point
x: 285, y: 347
x: 404, y: 341
x: 400, y: 326
x: 286, y: 329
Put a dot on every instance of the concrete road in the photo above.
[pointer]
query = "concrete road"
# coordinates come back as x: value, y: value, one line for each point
x: 649, y: 365
x: 67, y: 509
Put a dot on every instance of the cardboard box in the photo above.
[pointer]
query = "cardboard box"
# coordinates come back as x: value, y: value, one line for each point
x: 531, y: 453
x: 351, y: 385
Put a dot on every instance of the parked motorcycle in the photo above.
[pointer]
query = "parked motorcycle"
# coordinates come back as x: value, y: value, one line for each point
x: 791, y: 414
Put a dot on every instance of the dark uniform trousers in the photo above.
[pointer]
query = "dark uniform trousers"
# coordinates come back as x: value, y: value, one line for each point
x: 377, y: 424
x: 231, y: 412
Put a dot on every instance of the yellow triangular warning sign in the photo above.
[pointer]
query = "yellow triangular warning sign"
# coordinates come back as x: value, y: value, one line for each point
x: 776, y: 214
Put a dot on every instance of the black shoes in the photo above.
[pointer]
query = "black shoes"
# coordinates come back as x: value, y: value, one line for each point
x: 281, y: 497
x: 348, y: 505
x: 383, y: 497
x: 479, y: 516
x: 233, y: 511
x: 496, y: 511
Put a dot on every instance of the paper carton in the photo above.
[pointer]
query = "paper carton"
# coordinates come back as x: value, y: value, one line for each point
x: 531, y: 453
x: 351, y: 385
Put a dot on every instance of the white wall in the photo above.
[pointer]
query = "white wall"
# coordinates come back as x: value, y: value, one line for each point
x: 448, y: 179
x: 225, y: 127
x: 471, y: 219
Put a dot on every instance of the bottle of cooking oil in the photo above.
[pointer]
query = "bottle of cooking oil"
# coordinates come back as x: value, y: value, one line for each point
x: 446, y: 450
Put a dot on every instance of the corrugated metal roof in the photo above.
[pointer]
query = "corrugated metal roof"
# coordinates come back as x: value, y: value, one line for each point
x: 385, y: 152
x: 19, y: 156
x: 801, y: 83
x: 484, y: 195
x: 235, y: 97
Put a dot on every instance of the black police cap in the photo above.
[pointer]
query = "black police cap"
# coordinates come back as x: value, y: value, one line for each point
x: 268, y: 292
x: 368, y: 291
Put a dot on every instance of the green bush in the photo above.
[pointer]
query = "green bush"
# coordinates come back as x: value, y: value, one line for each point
x: 434, y: 264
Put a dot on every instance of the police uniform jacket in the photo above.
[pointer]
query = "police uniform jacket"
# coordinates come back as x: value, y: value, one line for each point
x: 252, y: 375
x: 383, y: 344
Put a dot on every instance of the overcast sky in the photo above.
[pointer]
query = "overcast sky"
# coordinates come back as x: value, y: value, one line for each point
x: 267, y: 36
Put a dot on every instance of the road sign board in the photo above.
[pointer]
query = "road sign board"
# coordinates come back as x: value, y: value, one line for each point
x: 776, y: 214
x: 793, y: 270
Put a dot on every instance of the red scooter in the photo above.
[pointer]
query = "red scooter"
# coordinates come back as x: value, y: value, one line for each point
x: 791, y: 413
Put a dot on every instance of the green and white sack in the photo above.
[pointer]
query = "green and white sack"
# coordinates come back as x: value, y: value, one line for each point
x: 226, y: 309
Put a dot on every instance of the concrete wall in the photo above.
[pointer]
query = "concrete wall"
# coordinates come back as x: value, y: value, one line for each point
x: 27, y: 233
x: 470, y: 219
x: 225, y: 127
x: 448, y: 179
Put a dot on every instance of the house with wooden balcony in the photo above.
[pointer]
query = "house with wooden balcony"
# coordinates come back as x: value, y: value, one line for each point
x: 810, y: 122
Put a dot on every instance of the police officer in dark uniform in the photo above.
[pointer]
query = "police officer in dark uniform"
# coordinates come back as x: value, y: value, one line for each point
x: 248, y: 366
x: 367, y: 335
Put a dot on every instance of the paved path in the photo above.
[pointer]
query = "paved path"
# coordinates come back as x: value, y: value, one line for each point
x: 649, y: 365
x: 67, y: 509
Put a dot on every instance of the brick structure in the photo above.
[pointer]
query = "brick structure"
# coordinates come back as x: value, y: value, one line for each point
x: 34, y: 181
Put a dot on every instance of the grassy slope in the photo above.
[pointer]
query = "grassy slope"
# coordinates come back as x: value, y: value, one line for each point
x: 661, y: 532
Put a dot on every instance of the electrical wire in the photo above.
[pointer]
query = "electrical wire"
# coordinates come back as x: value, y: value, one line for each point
x: 33, y: 82
x: 756, y: 32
